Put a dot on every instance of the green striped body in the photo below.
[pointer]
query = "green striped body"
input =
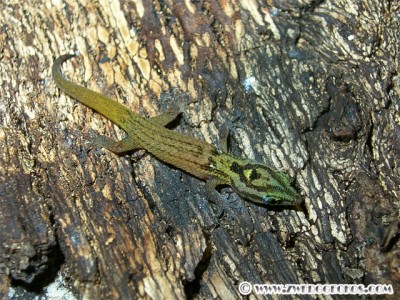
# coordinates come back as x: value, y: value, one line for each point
x: 251, y: 180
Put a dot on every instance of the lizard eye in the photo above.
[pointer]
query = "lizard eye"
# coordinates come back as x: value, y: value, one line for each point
x: 266, y: 199
x: 269, y: 201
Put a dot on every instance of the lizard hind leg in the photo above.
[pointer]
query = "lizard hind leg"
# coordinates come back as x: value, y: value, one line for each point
x: 165, y: 118
x: 128, y: 144
x: 118, y: 147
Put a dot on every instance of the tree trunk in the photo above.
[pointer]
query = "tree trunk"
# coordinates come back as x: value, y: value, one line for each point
x: 312, y: 88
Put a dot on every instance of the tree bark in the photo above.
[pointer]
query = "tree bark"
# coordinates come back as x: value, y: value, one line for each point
x: 312, y: 88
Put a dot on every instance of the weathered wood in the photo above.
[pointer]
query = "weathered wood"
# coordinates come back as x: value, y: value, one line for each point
x: 315, y: 90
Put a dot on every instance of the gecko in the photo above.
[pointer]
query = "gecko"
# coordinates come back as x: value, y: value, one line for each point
x: 250, y: 179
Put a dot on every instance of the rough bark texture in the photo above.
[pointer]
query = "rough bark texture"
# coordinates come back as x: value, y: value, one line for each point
x: 315, y: 88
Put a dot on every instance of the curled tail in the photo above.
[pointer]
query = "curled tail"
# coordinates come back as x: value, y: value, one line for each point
x: 112, y: 110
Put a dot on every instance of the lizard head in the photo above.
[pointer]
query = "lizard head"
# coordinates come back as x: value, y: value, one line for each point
x: 261, y: 184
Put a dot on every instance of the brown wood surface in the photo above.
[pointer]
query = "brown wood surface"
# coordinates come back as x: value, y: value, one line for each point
x: 314, y: 88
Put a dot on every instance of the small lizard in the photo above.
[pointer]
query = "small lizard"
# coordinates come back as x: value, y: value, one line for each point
x: 248, y: 178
